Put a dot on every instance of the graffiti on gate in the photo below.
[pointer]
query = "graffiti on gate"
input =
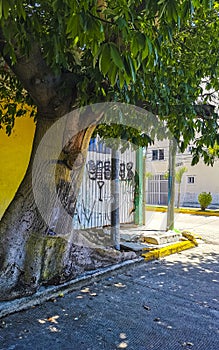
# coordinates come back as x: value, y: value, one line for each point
x: 101, y: 171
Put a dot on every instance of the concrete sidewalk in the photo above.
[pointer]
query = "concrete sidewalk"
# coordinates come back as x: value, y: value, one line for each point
x: 131, y: 239
x: 169, y: 304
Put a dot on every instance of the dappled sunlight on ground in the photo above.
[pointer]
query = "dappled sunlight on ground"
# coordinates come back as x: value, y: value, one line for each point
x: 168, y: 304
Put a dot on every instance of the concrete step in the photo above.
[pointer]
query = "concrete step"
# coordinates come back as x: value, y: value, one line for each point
x: 136, y: 246
x: 160, y: 238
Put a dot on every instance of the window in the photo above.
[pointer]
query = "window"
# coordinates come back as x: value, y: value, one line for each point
x: 158, y: 154
x: 161, y: 154
x: 191, y: 179
x: 154, y: 154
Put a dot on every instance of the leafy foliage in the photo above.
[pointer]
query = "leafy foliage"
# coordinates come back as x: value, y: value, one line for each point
x: 179, y: 174
x: 205, y: 200
x: 154, y: 54
x: 178, y: 177
x: 14, y: 100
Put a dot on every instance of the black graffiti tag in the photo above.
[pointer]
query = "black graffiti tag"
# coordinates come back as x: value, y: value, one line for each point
x: 102, y: 170
x: 91, y: 169
x: 107, y: 170
x: 122, y: 171
x: 130, y: 174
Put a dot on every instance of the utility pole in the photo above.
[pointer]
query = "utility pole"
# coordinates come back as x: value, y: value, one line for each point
x: 144, y: 189
x: 115, y: 219
x: 138, y: 196
x: 171, y: 184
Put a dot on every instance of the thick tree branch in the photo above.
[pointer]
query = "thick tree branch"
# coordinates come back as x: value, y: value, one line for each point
x: 45, y: 88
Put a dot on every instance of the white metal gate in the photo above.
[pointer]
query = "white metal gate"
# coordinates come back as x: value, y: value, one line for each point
x: 157, y: 190
x: 94, y: 201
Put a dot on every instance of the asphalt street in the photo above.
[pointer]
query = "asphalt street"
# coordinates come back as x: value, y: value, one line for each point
x: 170, y: 304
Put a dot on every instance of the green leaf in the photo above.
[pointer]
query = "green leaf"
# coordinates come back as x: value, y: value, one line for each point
x: 6, y: 7
x: 134, y: 47
x: 105, y: 59
x: 195, y: 159
x: 132, y: 70
x: 116, y: 57
x: 121, y: 79
x: 20, y: 10
x: 20, y: 112
x: 196, y: 3
x: 141, y: 40
x: 1, y: 9
x: 73, y: 26
x: 8, y: 129
x: 112, y: 73
x: 145, y: 52
x: 149, y: 44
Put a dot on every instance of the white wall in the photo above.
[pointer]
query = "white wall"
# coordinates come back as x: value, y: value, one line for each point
x: 206, y: 178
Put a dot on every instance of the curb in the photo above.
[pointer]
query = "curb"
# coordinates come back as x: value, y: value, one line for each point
x: 184, y: 211
x: 47, y: 293
x: 168, y: 250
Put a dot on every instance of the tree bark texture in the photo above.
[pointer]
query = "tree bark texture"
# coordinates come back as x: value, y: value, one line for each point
x: 32, y: 252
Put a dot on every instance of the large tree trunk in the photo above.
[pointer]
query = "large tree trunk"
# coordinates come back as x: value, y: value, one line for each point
x: 37, y: 242
x: 29, y: 254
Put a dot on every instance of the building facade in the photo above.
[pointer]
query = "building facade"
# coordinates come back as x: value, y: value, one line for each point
x: 198, y: 178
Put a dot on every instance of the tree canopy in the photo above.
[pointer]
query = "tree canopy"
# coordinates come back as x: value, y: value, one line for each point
x: 154, y: 54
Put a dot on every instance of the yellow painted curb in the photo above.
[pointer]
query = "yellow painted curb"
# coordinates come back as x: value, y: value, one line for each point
x: 161, y: 210
x: 170, y: 249
x: 191, y: 237
x: 183, y: 211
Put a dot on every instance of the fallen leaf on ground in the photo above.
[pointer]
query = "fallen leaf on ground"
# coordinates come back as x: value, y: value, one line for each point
x: 122, y: 336
x: 42, y: 321
x: 53, y: 319
x: 54, y: 329
x: 187, y: 343
x: 119, y: 285
x: 85, y: 290
x: 122, y: 345
x: 79, y: 297
x: 146, y: 307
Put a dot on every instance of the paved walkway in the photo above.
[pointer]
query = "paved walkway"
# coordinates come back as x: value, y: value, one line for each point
x: 202, y: 224
x: 170, y: 304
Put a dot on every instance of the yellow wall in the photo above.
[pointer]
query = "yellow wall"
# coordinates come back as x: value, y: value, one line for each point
x: 14, y: 157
